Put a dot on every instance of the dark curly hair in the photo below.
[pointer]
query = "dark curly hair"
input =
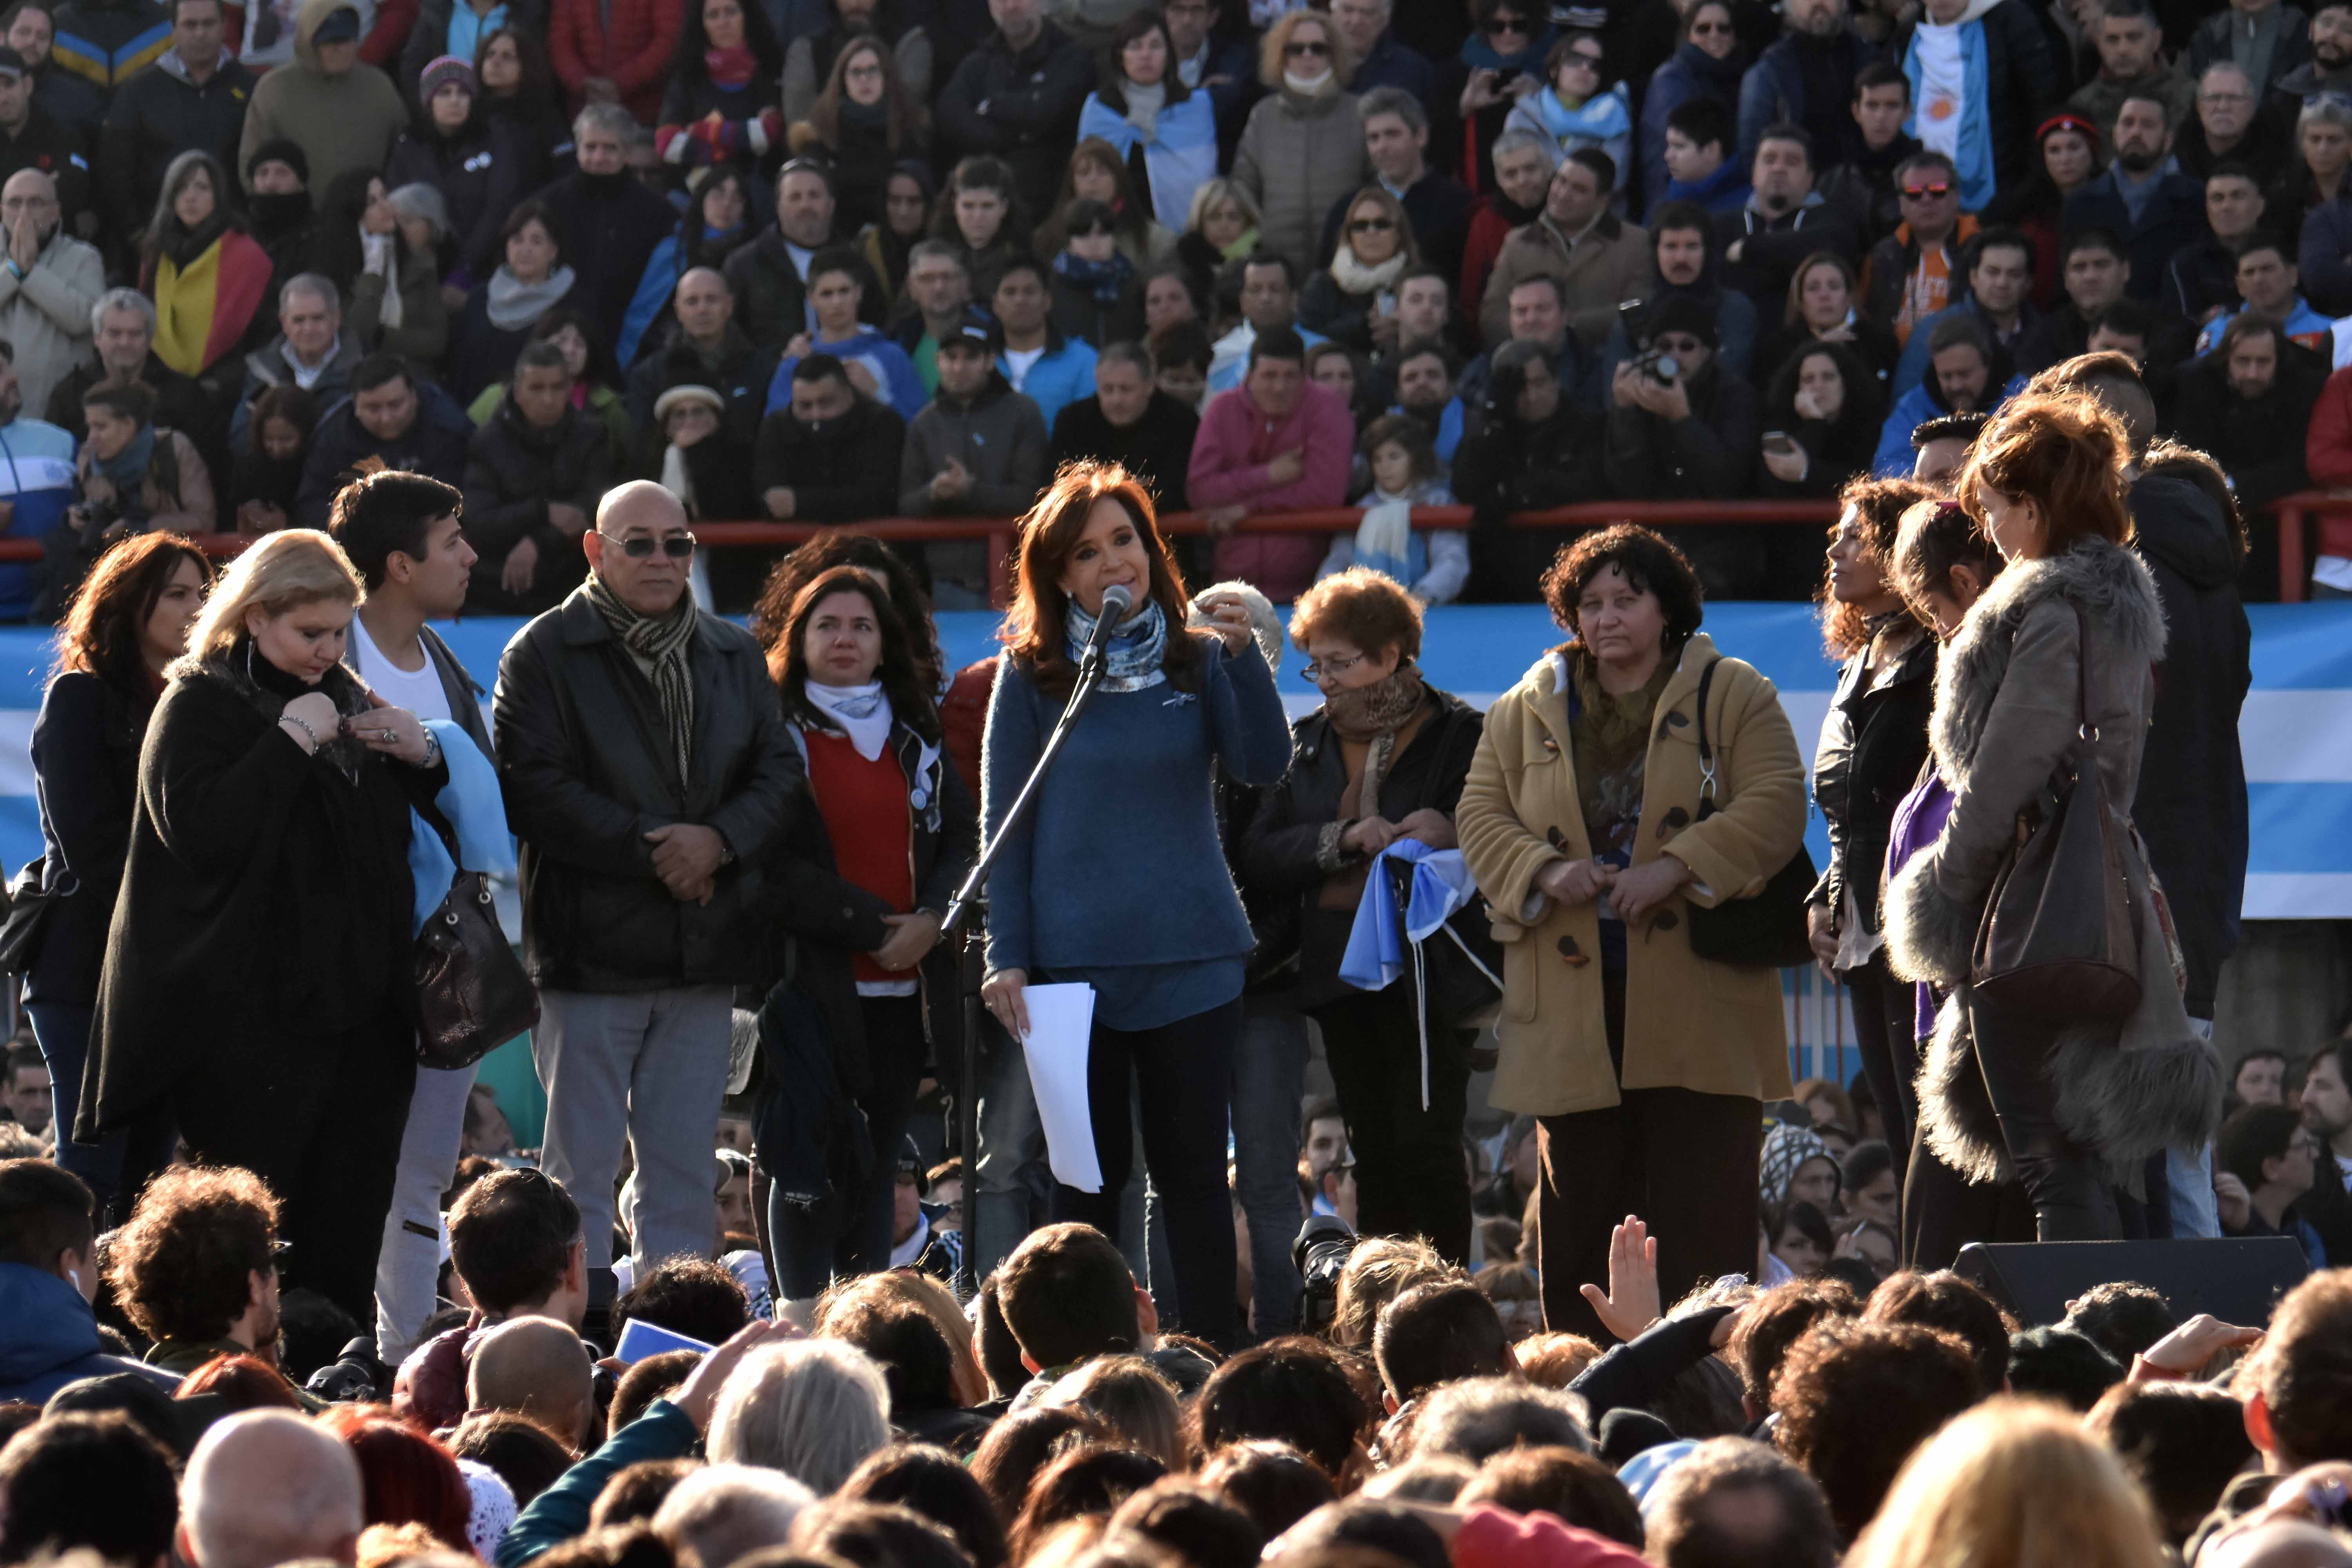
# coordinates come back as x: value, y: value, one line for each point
x: 1777, y: 1319
x: 182, y: 1268
x: 697, y: 1296
x: 910, y: 699
x: 1880, y: 504
x: 840, y: 547
x: 1650, y: 565
x: 1855, y: 1399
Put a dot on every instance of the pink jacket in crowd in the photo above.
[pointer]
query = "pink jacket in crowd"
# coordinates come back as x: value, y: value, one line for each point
x: 1229, y: 460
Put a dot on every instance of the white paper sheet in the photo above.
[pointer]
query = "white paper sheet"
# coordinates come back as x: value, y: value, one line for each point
x: 1061, y: 1025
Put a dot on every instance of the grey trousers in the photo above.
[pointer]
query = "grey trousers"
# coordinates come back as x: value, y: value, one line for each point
x: 408, y: 1270
x: 649, y: 1067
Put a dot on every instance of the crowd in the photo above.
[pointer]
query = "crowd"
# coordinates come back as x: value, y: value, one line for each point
x: 829, y: 260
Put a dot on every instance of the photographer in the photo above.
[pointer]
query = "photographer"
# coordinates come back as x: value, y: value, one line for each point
x: 1681, y: 425
x: 133, y: 475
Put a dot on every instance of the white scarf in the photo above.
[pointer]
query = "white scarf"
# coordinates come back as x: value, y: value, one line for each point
x: 384, y: 260
x: 1310, y: 86
x: 860, y: 712
x: 1354, y: 278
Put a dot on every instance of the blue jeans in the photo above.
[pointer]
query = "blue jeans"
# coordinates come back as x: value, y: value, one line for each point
x: 1269, y: 1084
x: 62, y: 1030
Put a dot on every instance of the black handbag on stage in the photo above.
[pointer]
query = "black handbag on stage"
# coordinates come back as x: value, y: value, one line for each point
x: 30, y: 901
x: 1768, y: 930
x: 472, y: 995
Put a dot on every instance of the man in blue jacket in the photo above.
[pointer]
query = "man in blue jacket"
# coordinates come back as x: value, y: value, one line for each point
x: 1803, y: 80
x: 49, y: 1275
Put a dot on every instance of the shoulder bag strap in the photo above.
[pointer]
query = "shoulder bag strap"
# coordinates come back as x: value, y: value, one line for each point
x: 1706, y: 747
x: 2088, y: 731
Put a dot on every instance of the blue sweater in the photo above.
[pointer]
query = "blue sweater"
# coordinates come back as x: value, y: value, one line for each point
x: 1081, y: 885
x: 902, y: 389
x: 1911, y: 410
x: 1064, y: 373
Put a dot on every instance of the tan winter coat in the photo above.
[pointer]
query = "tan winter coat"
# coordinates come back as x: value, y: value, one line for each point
x: 1689, y: 1022
x: 1298, y: 157
x: 1611, y: 266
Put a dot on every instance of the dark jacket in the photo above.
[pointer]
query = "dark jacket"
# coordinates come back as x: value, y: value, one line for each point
x: 1000, y: 438
x: 740, y: 376
x: 1864, y: 187
x: 611, y: 224
x: 2192, y: 809
x: 771, y: 300
x: 159, y: 114
x: 1770, y: 248
x: 833, y: 920
x: 1021, y: 108
x: 2174, y: 216
x: 1708, y: 456
x: 1504, y: 467
x: 1283, y: 855
x: 433, y: 443
x: 179, y: 404
x: 1439, y: 207
x: 428, y: 36
x: 513, y: 471
x: 48, y: 1338
x: 261, y: 885
x: 1874, y: 741
x: 584, y: 757
x: 1156, y: 448
x: 2328, y: 1208
x: 2258, y: 442
x: 2025, y: 81
x: 1888, y: 275
x: 1773, y: 93
x: 1690, y: 73
x: 1346, y: 319
x: 2202, y: 274
x: 846, y: 472
x: 1078, y: 314
x: 482, y: 174
x: 56, y: 149
x: 2213, y: 43
x: 2324, y: 256
x: 86, y: 767
x: 2266, y: 148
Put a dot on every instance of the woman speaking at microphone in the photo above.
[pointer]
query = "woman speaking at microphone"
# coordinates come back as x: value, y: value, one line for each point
x: 1115, y: 878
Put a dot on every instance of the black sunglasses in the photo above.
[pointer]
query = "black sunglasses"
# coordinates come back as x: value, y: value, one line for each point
x: 677, y: 546
x: 1310, y: 47
x: 1370, y: 225
x: 1498, y: 25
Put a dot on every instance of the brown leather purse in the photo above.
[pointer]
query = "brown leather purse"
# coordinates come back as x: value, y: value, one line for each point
x: 472, y: 994
x: 2057, y: 938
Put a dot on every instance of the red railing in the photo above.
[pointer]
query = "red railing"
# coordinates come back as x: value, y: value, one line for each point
x: 2293, y: 514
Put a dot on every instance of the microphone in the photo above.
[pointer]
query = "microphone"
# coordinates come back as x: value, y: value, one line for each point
x: 1116, y: 601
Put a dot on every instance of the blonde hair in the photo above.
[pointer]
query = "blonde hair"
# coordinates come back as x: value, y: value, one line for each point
x: 1131, y: 1397
x: 927, y: 1296
x: 1342, y: 59
x: 2013, y: 1483
x: 288, y: 569
x: 1209, y: 193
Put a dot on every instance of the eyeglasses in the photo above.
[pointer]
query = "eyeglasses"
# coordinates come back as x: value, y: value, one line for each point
x: 1934, y: 192
x: 1294, y: 51
x: 1496, y: 26
x: 1578, y: 58
x: 1317, y: 670
x: 1371, y: 225
x: 637, y: 546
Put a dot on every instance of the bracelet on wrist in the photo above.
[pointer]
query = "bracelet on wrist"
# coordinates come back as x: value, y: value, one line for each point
x: 302, y: 724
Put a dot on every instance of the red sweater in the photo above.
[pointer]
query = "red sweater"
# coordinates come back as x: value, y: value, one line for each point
x: 867, y: 816
x: 2328, y: 454
x: 633, y: 48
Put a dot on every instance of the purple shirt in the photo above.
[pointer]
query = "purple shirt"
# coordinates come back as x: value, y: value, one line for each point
x: 1919, y: 823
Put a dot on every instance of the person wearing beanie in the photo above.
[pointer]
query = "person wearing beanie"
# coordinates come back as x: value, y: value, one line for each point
x: 285, y: 219
x: 1690, y: 434
x: 476, y: 162
x: 342, y: 117
x: 195, y: 100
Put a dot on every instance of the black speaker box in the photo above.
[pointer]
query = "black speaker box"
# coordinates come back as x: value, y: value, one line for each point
x: 2238, y: 1280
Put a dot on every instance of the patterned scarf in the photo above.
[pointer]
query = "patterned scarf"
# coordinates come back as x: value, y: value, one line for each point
x: 1132, y: 661
x: 661, y: 642
x: 1375, y: 714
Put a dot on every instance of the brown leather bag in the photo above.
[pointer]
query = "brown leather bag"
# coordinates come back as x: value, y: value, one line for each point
x: 472, y: 994
x: 2057, y: 938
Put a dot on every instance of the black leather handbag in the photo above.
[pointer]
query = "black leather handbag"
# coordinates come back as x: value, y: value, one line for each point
x: 472, y: 995
x: 30, y: 901
x: 1767, y: 932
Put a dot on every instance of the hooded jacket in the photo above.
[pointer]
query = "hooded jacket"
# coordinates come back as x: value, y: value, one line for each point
x: 49, y: 1337
x: 341, y: 122
x: 999, y: 437
x: 158, y: 115
x: 2006, y: 717
x: 514, y: 471
x: 2191, y: 811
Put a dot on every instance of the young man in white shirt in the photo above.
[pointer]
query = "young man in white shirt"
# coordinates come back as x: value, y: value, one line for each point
x: 402, y: 533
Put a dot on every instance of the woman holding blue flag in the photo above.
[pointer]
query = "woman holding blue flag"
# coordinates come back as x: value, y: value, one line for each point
x: 256, y: 976
x: 1383, y: 759
x: 1143, y: 108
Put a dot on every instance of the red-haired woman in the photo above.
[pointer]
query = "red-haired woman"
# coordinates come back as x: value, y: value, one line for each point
x: 405, y: 1477
x: 1118, y: 879
x: 128, y: 621
x: 2062, y: 1104
x: 863, y: 882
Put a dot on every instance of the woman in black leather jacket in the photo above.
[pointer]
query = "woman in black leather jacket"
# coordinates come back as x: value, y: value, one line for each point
x: 1383, y: 760
x: 1873, y: 740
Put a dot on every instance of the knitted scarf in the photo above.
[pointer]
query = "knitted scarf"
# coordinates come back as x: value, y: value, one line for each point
x: 661, y: 641
x: 1375, y: 714
x: 1106, y: 280
x: 1132, y: 661
x: 1354, y: 278
x: 514, y: 304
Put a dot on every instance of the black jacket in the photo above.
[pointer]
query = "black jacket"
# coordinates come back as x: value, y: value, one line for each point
x: 2025, y: 81
x: 261, y: 884
x: 611, y: 224
x: 156, y: 116
x: 770, y: 297
x: 1156, y: 448
x: 1708, y: 456
x: 86, y: 767
x: 512, y: 472
x: 1077, y: 313
x: 2328, y: 1208
x: 1864, y: 187
x: 1770, y: 250
x: 2258, y: 442
x: 1283, y: 854
x: 833, y: 919
x: 845, y: 472
x: 584, y: 758
x: 179, y: 404
x: 433, y: 443
x: 740, y: 376
x: 482, y: 174
x: 2202, y: 274
x: 1873, y: 741
x: 2190, y: 806
x: 1021, y: 108
x: 2174, y: 216
x: 56, y: 149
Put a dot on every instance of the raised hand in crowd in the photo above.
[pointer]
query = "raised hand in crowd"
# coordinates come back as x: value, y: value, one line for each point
x: 1631, y: 1303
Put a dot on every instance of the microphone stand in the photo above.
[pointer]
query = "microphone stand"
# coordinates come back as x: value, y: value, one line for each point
x: 973, y: 966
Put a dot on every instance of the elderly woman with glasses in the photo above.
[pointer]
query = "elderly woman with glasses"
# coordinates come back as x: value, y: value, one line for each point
x: 1383, y: 759
x: 1303, y: 149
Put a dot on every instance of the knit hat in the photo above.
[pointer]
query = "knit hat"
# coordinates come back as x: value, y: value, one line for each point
x: 280, y: 150
x: 492, y: 1510
x: 1681, y: 313
x: 679, y: 396
x: 340, y: 26
x: 448, y: 68
x: 421, y: 200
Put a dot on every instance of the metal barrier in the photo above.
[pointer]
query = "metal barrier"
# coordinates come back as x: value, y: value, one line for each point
x: 2292, y: 513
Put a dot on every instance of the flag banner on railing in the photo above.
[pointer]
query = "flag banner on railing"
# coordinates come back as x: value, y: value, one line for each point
x: 2296, y: 729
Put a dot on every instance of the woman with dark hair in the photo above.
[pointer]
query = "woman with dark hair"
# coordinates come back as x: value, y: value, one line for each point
x: 865, y: 124
x: 1178, y: 709
x: 392, y: 291
x: 500, y: 312
x: 716, y: 224
x: 1090, y: 1479
x: 518, y: 90
x: 2073, y: 621
x: 126, y: 623
x: 210, y: 278
x: 980, y: 211
x: 723, y: 102
x: 1096, y: 173
x: 1164, y: 132
x: 1872, y: 742
x: 477, y: 160
x: 1352, y: 299
x: 809, y: 59
x: 887, y: 242
x: 1822, y: 293
x: 1595, y: 833
x: 1826, y: 411
x: 1502, y: 61
x: 837, y: 548
x: 2066, y: 157
x: 1382, y: 760
x: 141, y: 475
x: 266, y: 475
x: 1536, y: 446
x: 863, y: 883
